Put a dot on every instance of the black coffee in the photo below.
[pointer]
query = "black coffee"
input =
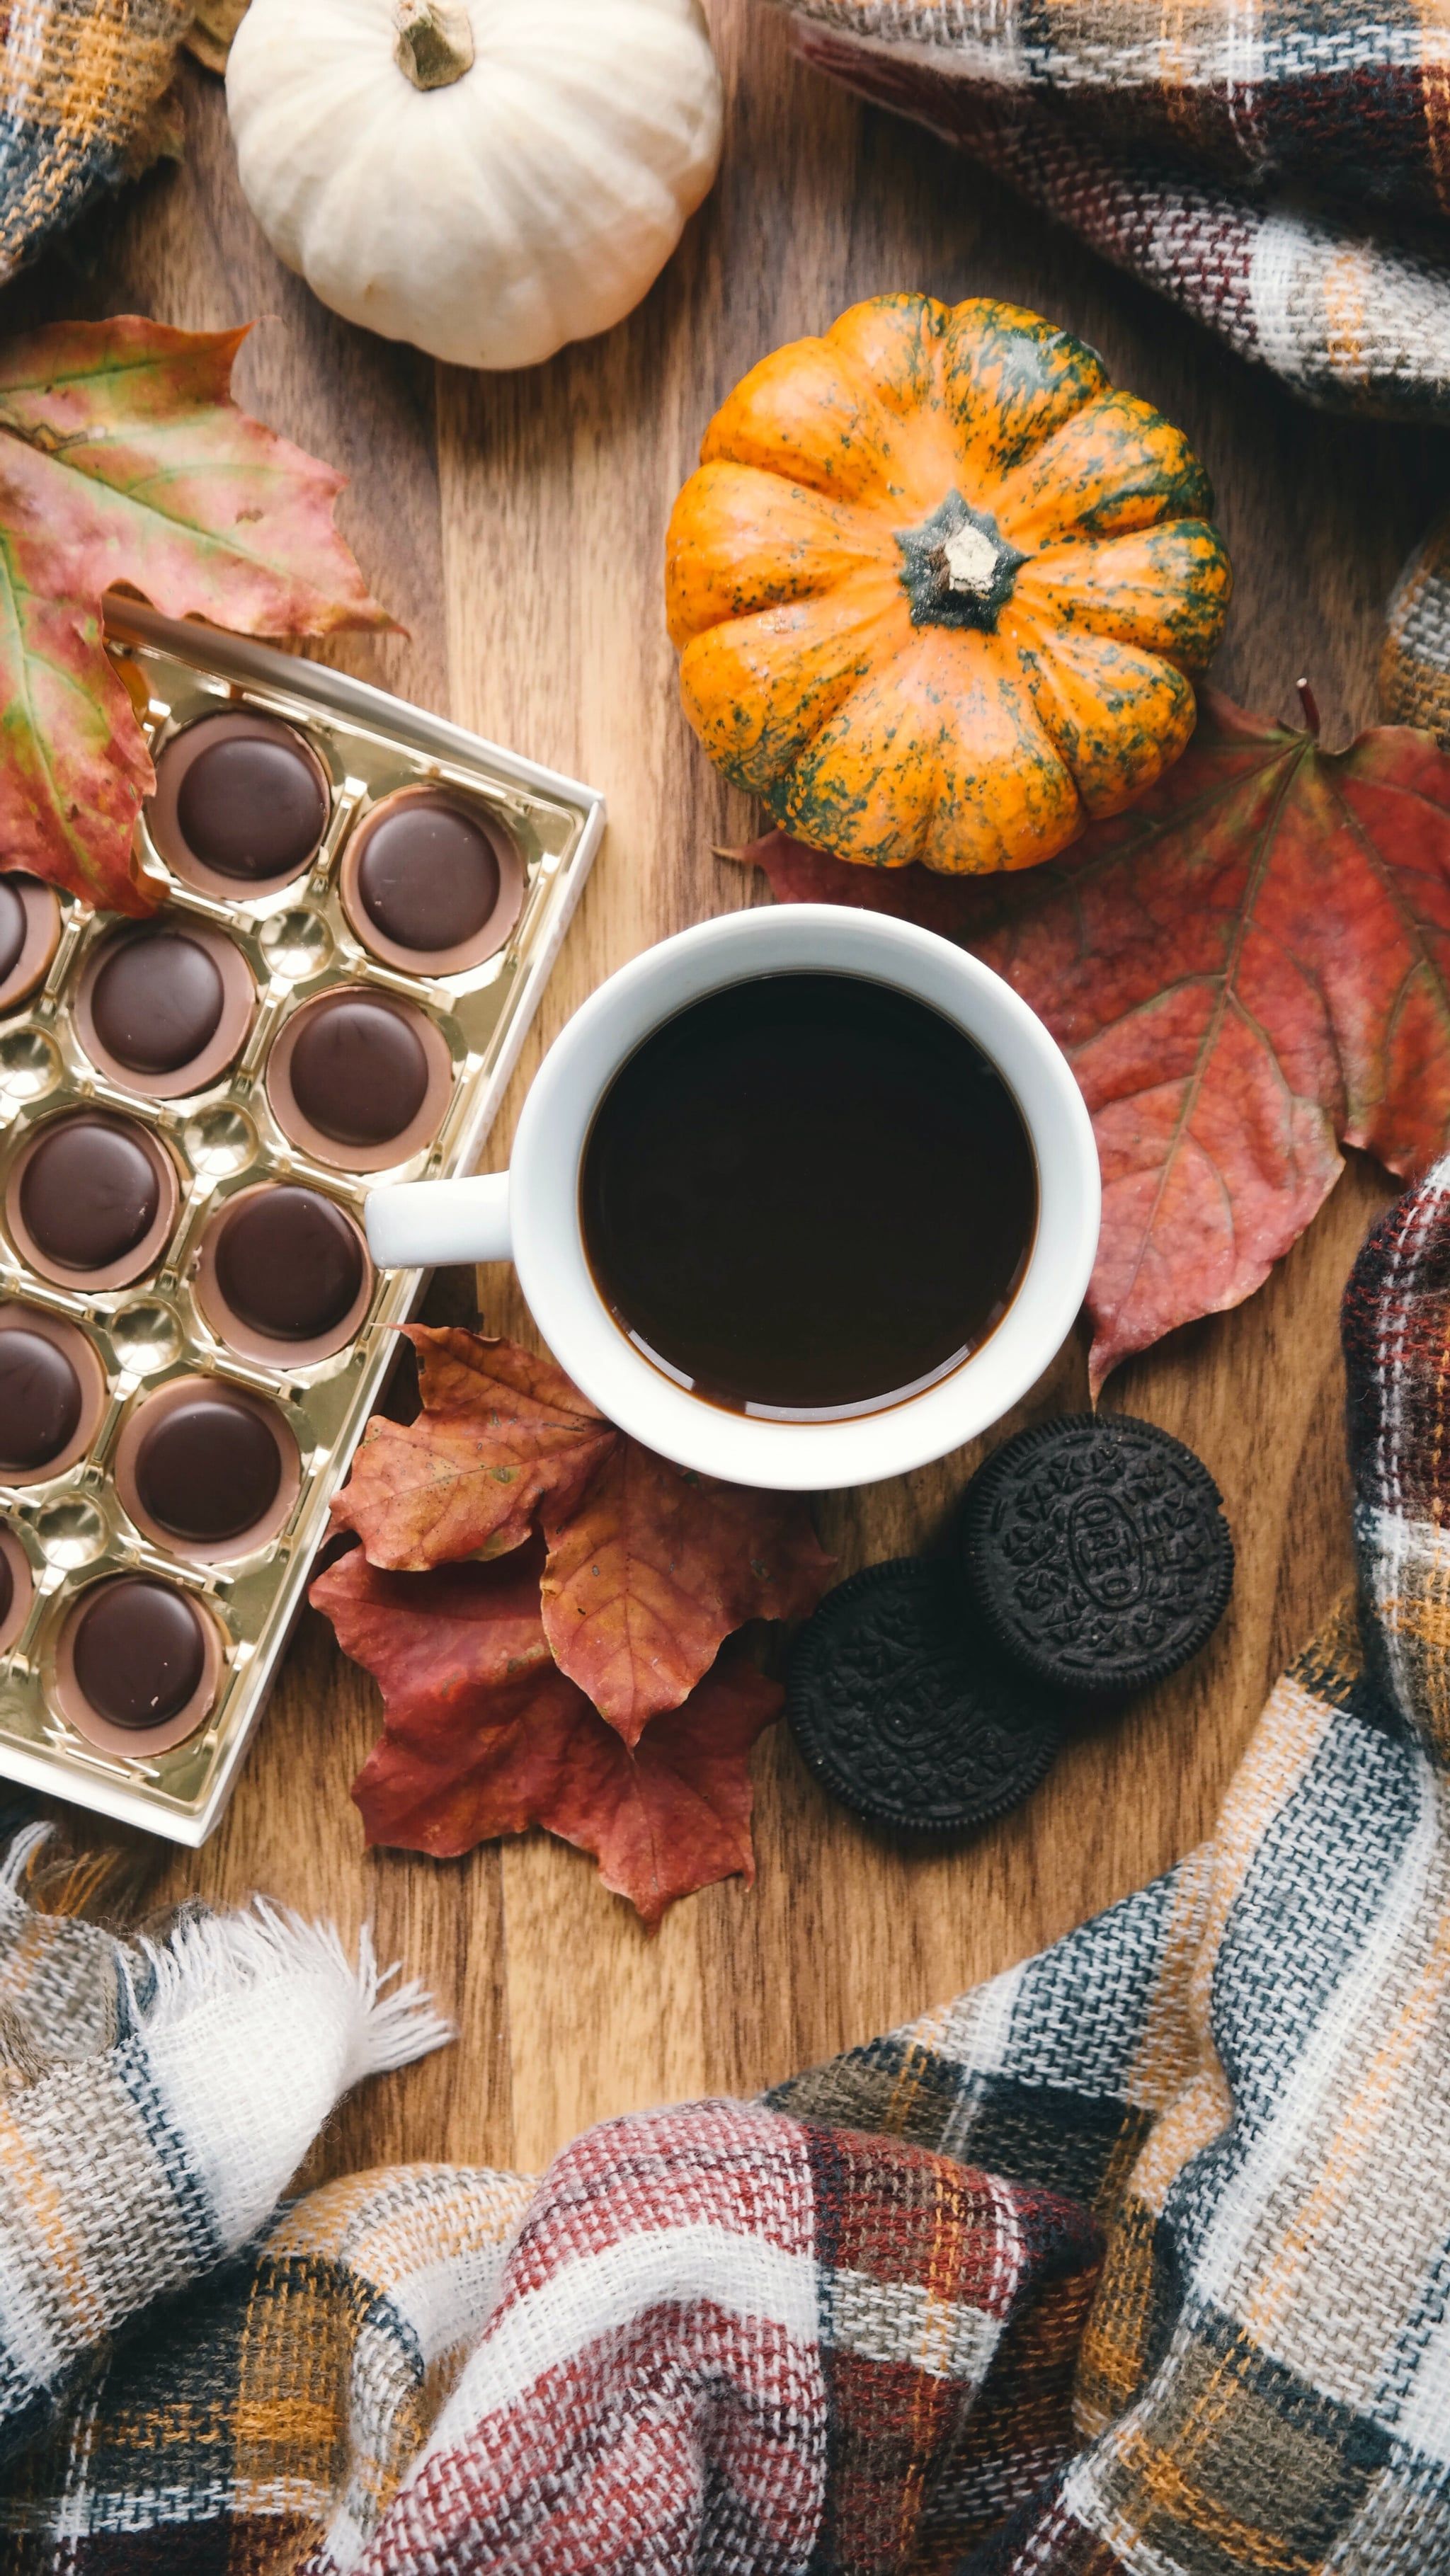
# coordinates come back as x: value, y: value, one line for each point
x: 809, y: 1194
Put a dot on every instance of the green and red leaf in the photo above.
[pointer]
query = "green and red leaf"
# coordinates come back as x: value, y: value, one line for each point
x: 124, y: 462
x: 1246, y: 971
x: 127, y: 441
x: 74, y: 766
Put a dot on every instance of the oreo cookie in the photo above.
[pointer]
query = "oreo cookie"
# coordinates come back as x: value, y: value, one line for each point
x: 1096, y: 1551
x: 907, y: 1712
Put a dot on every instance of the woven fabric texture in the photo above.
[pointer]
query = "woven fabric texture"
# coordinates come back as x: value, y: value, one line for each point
x: 1351, y: 100
x: 1414, y: 677
x: 1181, y: 144
x: 82, y: 90
x: 126, y: 2171
x: 1134, y: 2262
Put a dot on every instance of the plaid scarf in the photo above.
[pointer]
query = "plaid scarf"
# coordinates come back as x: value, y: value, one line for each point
x: 1135, y: 2262
x: 1181, y: 143
x: 82, y: 106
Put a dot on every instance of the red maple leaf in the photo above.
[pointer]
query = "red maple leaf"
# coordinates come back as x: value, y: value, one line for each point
x: 650, y: 1567
x: 483, y: 1735
x: 1249, y: 969
x: 500, y: 1433
x: 653, y: 1571
x: 125, y: 462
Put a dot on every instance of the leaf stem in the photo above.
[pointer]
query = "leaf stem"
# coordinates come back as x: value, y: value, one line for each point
x: 1310, y: 705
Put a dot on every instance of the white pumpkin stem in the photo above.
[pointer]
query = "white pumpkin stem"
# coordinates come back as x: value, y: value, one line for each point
x: 434, y: 42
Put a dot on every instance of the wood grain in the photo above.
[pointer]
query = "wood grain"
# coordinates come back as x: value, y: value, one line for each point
x: 516, y: 525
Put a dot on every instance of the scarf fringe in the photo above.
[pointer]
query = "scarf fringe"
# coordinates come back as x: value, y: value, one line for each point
x: 209, y: 1960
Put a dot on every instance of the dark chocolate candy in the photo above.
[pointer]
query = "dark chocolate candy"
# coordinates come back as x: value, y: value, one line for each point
x: 1096, y: 1549
x: 251, y: 808
x: 358, y: 1071
x: 907, y: 1713
x: 40, y: 1399
x: 139, y: 1652
x: 89, y: 1192
x: 209, y: 1468
x: 7, y: 1588
x: 12, y: 938
x: 288, y: 1263
x: 428, y: 876
x: 157, y: 1001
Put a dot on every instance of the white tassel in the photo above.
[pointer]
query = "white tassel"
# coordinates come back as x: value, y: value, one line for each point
x: 221, y: 1958
x: 208, y: 1959
x: 252, y: 2026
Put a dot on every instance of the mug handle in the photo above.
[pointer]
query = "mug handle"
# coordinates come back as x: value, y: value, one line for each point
x: 418, y: 1225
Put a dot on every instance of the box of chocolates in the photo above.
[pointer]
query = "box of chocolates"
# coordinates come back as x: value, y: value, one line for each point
x: 357, y: 907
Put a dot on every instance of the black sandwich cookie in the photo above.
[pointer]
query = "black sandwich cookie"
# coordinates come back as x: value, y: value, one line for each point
x: 907, y: 1712
x: 1096, y: 1550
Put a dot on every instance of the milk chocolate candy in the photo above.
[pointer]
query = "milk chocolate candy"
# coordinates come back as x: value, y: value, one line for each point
x: 157, y: 1002
x: 29, y: 936
x: 241, y: 804
x: 12, y: 929
x: 206, y: 1469
x: 17, y: 1588
x: 137, y: 1664
x: 284, y: 1274
x: 52, y: 1389
x: 430, y: 883
x: 359, y: 1079
x: 165, y: 1011
x: 91, y: 1199
x: 210, y: 1470
x: 40, y: 1399
x: 195, y: 1097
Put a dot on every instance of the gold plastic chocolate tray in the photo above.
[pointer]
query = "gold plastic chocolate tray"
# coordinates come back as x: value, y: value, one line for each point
x: 298, y: 943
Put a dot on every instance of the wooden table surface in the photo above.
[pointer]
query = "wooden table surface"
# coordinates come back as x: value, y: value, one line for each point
x: 516, y: 525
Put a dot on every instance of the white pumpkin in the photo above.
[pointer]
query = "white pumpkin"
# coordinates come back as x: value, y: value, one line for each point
x: 485, y: 178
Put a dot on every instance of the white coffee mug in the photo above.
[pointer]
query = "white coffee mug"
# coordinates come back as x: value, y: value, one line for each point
x: 530, y: 1214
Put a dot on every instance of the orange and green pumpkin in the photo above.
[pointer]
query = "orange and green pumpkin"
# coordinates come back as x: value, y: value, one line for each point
x: 936, y: 587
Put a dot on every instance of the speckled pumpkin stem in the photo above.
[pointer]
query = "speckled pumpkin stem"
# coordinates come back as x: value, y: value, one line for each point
x: 434, y: 42
x: 957, y: 568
